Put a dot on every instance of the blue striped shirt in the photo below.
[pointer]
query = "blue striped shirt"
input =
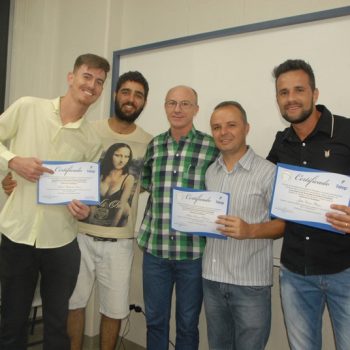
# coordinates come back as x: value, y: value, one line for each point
x: 246, y: 262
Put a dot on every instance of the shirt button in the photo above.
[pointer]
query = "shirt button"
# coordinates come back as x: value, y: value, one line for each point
x: 175, y: 171
x: 304, y: 162
x: 307, y: 238
x: 172, y: 238
x: 177, y: 154
x: 303, y: 144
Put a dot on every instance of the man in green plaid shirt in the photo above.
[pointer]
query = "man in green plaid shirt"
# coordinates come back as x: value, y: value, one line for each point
x: 178, y: 157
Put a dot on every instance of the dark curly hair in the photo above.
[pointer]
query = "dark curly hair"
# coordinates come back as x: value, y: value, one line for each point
x: 133, y: 76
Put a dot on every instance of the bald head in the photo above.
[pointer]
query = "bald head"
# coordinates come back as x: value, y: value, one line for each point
x: 183, y: 89
x: 181, y: 106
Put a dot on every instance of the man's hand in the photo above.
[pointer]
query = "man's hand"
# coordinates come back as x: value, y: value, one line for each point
x: 8, y: 183
x: 340, y: 220
x: 237, y: 228
x: 29, y: 168
x: 233, y: 226
x: 78, y: 209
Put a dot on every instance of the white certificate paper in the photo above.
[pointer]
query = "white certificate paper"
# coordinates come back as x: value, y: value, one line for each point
x: 304, y: 195
x: 195, y: 211
x: 71, y: 180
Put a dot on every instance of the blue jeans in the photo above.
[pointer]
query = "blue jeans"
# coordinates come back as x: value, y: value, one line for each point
x: 159, y: 277
x: 238, y: 317
x: 304, y: 299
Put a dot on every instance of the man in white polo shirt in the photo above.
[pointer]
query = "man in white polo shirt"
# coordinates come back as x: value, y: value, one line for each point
x: 42, y: 238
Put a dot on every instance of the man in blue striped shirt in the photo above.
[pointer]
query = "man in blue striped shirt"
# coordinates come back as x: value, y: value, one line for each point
x: 237, y: 272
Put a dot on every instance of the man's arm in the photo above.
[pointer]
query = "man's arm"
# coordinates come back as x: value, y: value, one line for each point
x: 146, y: 175
x: 237, y: 228
x: 78, y: 209
x: 29, y: 168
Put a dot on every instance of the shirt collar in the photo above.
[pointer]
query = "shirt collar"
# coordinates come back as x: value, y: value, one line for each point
x: 245, y: 162
x: 325, y: 122
x: 192, y: 134
x: 73, y: 125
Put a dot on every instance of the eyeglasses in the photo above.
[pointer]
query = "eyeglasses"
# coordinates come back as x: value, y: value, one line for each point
x: 171, y: 104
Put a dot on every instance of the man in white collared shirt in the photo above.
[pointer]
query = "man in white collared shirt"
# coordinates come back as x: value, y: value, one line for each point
x: 42, y: 238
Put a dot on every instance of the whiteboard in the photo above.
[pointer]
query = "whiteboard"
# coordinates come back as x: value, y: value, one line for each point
x: 239, y: 67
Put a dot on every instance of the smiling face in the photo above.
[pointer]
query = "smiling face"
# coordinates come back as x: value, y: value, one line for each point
x: 229, y: 131
x: 121, y: 157
x: 180, y: 114
x: 295, y: 97
x: 129, y: 101
x: 86, y: 84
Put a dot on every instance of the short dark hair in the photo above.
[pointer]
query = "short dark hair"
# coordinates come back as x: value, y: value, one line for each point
x: 291, y: 65
x: 92, y: 61
x: 133, y: 76
x: 233, y: 104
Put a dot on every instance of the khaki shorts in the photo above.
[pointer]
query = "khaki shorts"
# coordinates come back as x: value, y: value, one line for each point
x: 109, y: 263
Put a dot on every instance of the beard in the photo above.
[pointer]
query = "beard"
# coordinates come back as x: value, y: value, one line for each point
x: 129, y: 118
x: 301, y: 118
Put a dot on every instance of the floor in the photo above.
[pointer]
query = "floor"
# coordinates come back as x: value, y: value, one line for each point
x: 37, y: 337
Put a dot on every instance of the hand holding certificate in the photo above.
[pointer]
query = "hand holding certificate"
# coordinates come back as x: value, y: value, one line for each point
x: 196, y: 212
x: 69, y: 181
x: 305, y: 195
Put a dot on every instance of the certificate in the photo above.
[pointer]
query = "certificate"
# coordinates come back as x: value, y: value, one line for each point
x: 304, y: 195
x: 195, y: 211
x: 70, y: 180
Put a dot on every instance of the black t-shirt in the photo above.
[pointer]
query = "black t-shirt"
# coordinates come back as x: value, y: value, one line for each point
x: 307, y: 250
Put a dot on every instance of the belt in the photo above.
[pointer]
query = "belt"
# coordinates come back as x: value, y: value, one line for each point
x: 102, y: 239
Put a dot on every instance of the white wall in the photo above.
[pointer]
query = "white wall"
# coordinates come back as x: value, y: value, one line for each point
x: 47, y: 35
x: 227, y: 68
x: 167, y: 19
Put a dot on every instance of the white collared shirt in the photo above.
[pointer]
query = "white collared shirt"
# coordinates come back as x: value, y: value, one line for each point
x: 32, y: 127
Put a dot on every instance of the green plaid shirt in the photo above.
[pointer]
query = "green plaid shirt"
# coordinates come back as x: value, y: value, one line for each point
x: 168, y: 164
